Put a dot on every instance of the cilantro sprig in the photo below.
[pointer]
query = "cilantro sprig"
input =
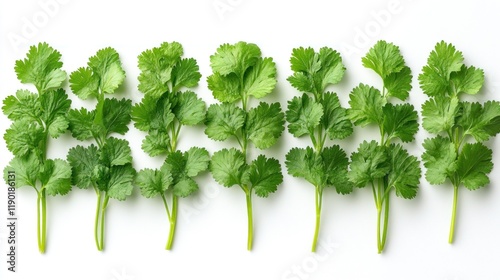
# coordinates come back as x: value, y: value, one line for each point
x: 107, y: 167
x: 385, y: 165
x: 318, y: 114
x: 457, y: 152
x: 37, y: 117
x: 161, y: 114
x: 239, y: 73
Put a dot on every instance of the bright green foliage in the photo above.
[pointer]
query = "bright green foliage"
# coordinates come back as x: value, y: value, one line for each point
x: 224, y: 120
x: 440, y: 159
x: 162, y: 112
x: 313, y: 72
x: 176, y: 175
x: 328, y: 168
x: 164, y: 109
x: 304, y: 115
x: 229, y: 168
x: 318, y: 114
x: 264, y: 175
x: 107, y: 167
x: 239, y: 72
x: 37, y: 117
x: 366, y: 106
x: 384, y: 165
x: 369, y: 163
x: 385, y: 59
x: 449, y: 155
x: 103, y: 74
x: 264, y: 125
x: 41, y: 68
x: 163, y: 69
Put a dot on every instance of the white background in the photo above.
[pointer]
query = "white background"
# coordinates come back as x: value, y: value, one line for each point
x: 211, y: 234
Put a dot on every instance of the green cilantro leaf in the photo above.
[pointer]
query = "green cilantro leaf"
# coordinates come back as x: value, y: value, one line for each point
x: 82, y: 161
x: 55, y: 105
x: 49, y: 108
x: 227, y: 167
x: 58, y: 127
x: 172, y: 51
x: 442, y: 62
x: 104, y: 74
x: 261, y: 78
x: 115, y: 152
x: 265, y: 123
x: 154, y: 182
x: 384, y: 58
x: 370, y: 162
x: 224, y: 120
x: 185, y: 74
x: 439, y: 113
x: 116, y: 115
x: 180, y: 167
x: 307, y: 164
x: 239, y: 71
x: 468, y: 80
x: 24, y: 105
x: 55, y: 176
x: 326, y: 169
x: 225, y: 88
x: 334, y: 119
x: 332, y: 70
x: 41, y: 67
x: 302, y: 82
x: 235, y: 58
x: 305, y: 60
x: 400, y: 121
x: 313, y: 72
x: 26, y: 170
x: 473, y: 165
x: 120, y: 183
x: 156, y: 72
x: 107, y: 169
x: 264, y: 175
x: 185, y: 186
x: 303, y: 115
x: 185, y: 166
x: 156, y: 143
x: 197, y: 160
x: 405, y: 172
x: 163, y: 70
x: 107, y: 66
x: 81, y: 124
x: 366, y: 105
x: 335, y: 163
x: 24, y: 137
x: 440, y: 159
x: 189, y: 110
x: 84, y: 83
x: 398, y: 84
x: 152, y: 114
x: 480, y: 122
